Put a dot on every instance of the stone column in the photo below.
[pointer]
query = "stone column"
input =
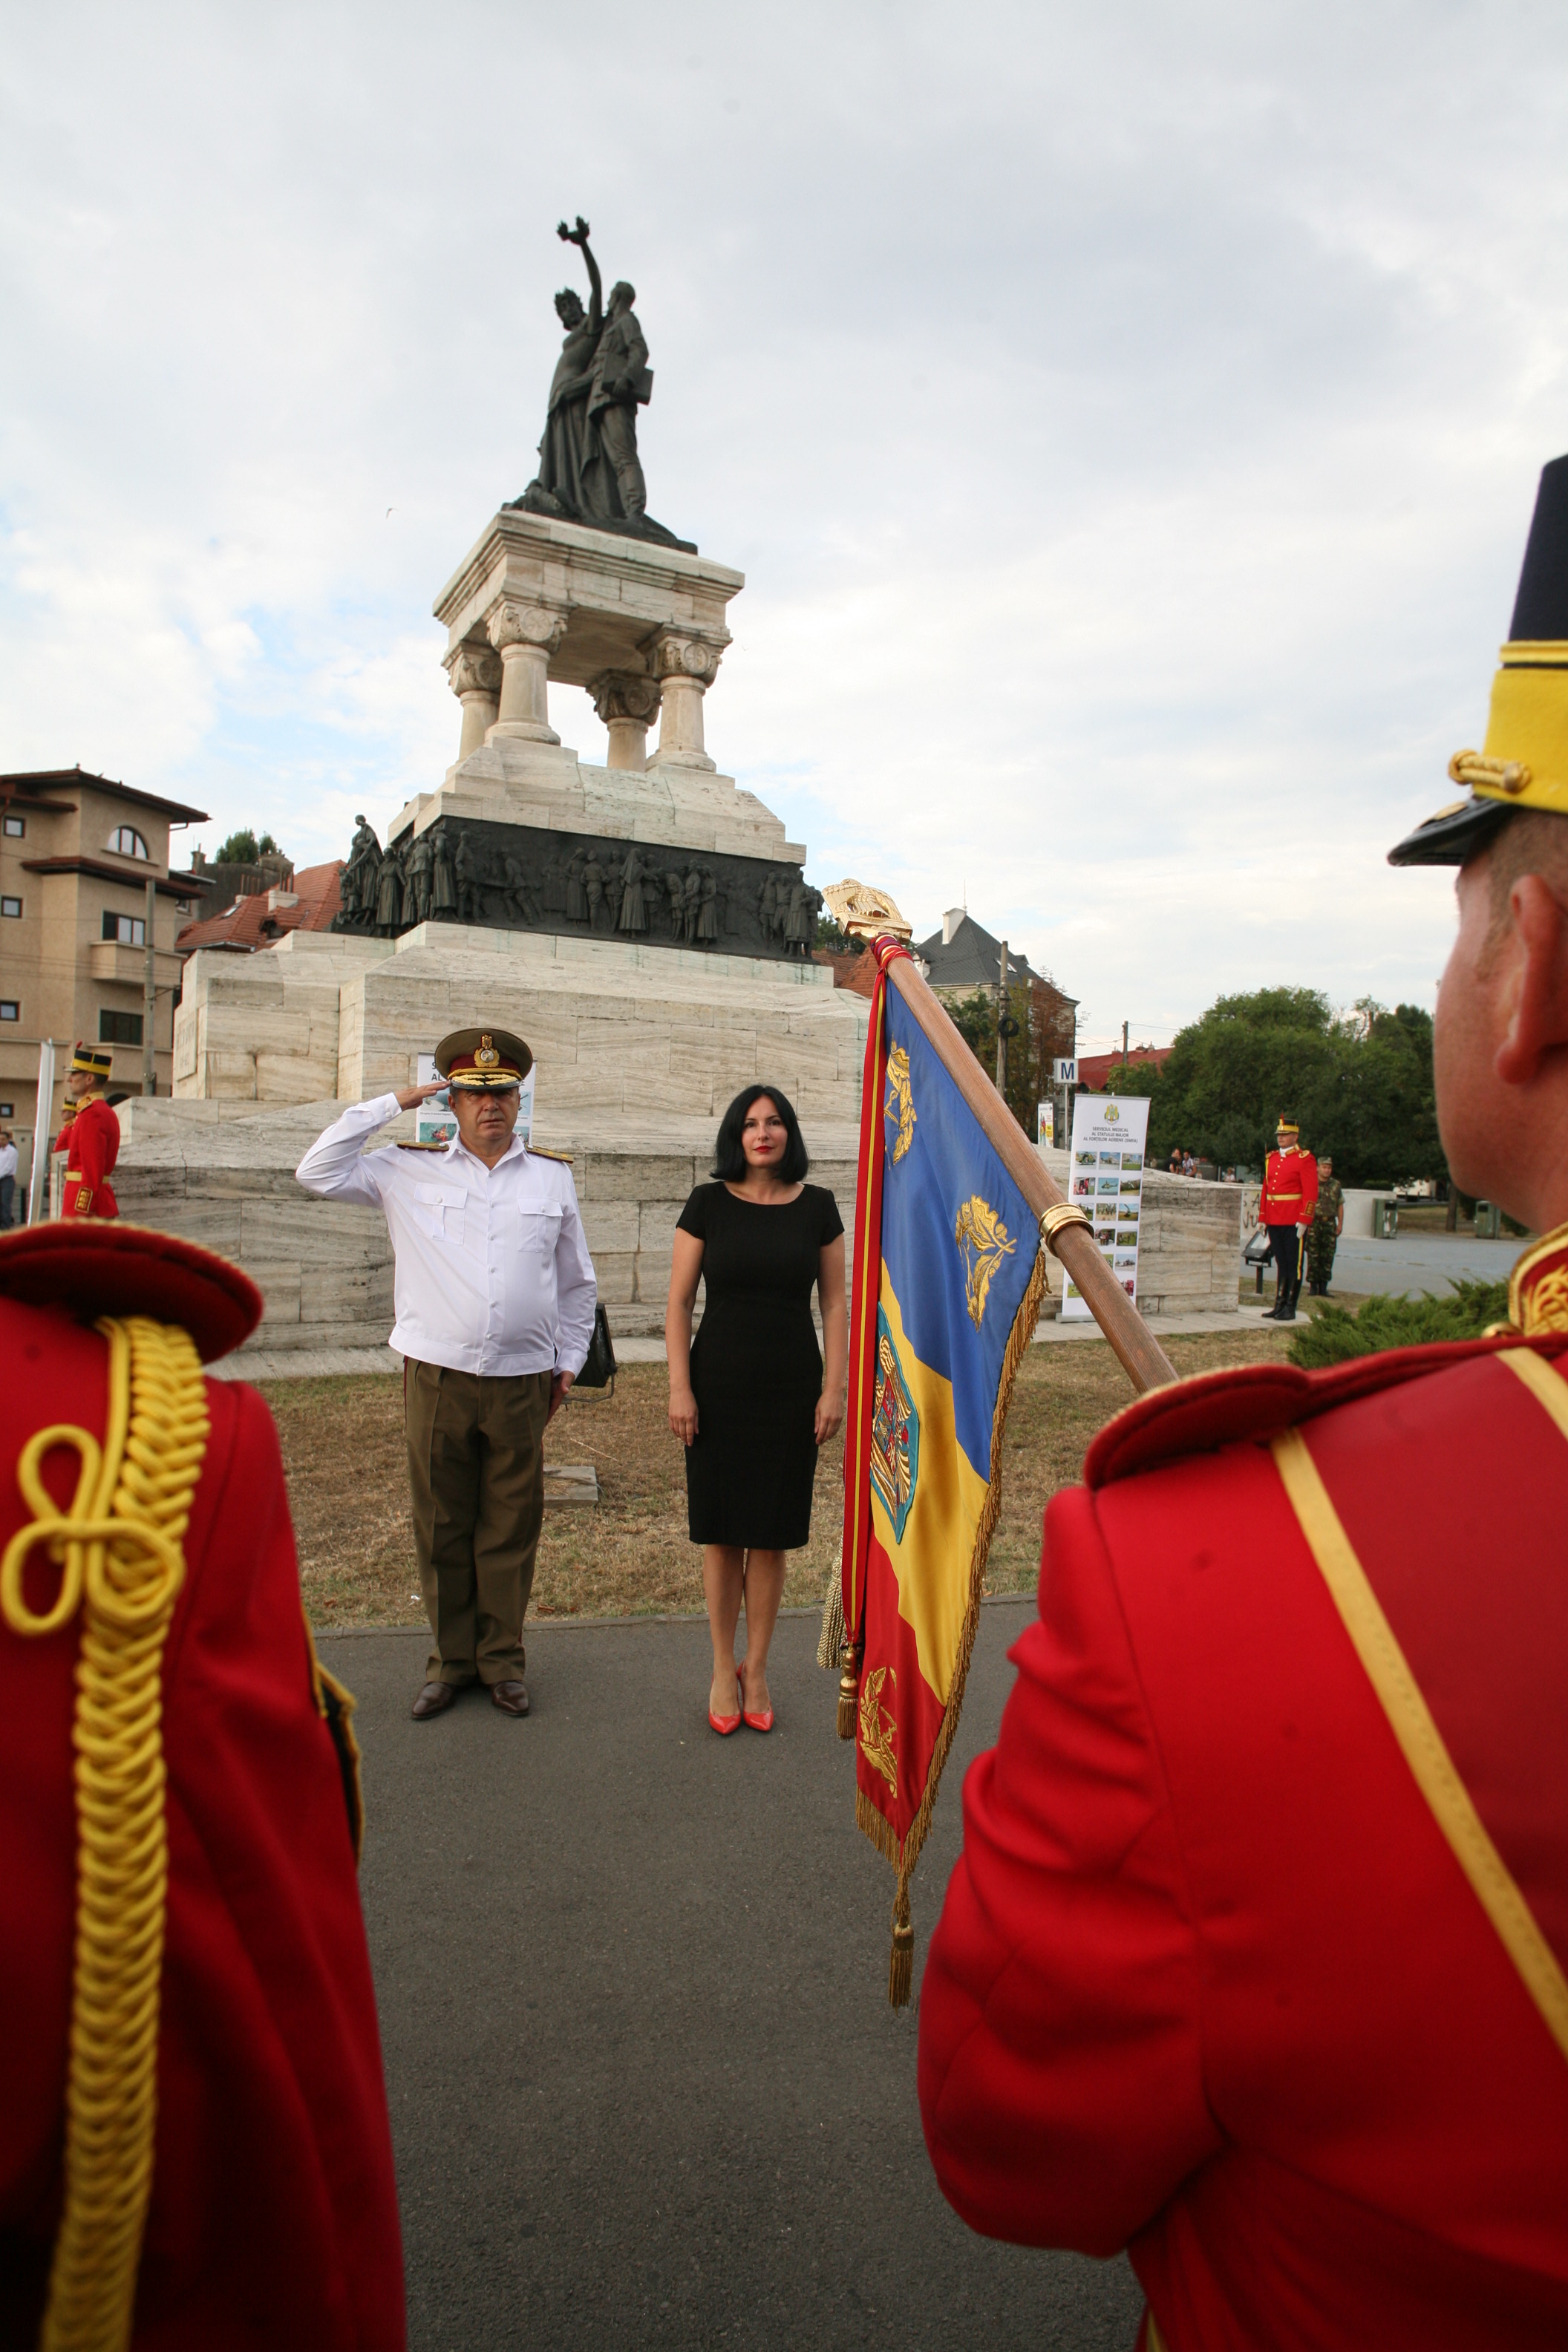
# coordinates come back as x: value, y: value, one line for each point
x: 525, y: 635
x: 475, y: 674
x: 626, y: 701
x: 687, y: 667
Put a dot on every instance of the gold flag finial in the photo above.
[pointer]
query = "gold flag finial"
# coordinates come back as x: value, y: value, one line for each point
x: 865, y: 913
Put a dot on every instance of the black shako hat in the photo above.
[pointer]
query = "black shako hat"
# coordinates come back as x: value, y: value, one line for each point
x: 1525, y: 762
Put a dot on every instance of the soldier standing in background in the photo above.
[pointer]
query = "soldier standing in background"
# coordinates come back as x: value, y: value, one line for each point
x: 1327, y: 1224
x: 1290, y: 1196
x: 89, y: 1133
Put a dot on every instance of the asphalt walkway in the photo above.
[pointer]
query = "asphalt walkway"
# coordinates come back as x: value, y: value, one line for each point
x: 646, y: 2088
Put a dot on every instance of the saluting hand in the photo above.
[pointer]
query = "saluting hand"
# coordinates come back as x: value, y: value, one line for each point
x: 408, y: 1095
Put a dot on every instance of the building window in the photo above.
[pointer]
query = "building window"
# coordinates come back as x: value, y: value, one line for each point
x: 130, y: 930
x: 15, y: 828
x: 7, y: 1110
x: 126, y: 842
x: 9, y: 1008
x: 181, y: 906
x: 119, y: 1028
x: 10, y: 905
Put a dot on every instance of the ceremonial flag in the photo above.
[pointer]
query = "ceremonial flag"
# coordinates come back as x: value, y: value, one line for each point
x: 949, y: 1274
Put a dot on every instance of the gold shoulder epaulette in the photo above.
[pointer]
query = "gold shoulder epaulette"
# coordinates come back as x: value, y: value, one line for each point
x: 421, y: 1147
x: 540, y: 1152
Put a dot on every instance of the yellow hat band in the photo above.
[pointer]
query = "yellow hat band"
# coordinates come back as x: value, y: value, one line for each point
x: 1525, y: 763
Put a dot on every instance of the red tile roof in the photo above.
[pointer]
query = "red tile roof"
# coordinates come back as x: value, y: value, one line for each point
x: 251, y: 923
x: 1094, y: 1069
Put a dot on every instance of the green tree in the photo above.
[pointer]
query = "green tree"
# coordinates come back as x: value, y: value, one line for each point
x: 1361, y: 1086
x: 243, y: 849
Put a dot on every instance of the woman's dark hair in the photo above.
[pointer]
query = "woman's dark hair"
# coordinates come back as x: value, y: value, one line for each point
x: 729, y: 1152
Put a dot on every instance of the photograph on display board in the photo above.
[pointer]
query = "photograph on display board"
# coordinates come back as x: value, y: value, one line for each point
x: 1083, y: 1186
x: 1132, y: 1159
x: 1111, y: 1184
x: 1132, y: 1184
x: 1105, y: 1235
x: 1086, y: 1159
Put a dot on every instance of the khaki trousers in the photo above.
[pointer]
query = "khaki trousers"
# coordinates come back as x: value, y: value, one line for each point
x: 477, y: 1477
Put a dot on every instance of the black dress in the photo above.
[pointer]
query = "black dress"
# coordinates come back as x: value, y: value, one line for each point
x: 756, y: 1369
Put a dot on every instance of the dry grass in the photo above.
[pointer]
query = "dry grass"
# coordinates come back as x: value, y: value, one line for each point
x: 343, y: 1453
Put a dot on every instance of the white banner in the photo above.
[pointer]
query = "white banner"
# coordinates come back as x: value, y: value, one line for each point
x: 38, y: 1194
x: 1045, y: 1127
x: 1106, y: 1180
x: 435, y: 1120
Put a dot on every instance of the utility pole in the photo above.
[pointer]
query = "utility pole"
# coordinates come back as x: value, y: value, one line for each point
x: 149, y: 993
x: 1124, y: 1044
x: 1001, y: 1017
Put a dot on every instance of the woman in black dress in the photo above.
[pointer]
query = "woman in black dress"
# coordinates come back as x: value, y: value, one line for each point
x: 749, y: 1398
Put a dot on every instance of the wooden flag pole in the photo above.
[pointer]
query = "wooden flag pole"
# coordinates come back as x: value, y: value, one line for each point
x: 870, y: 915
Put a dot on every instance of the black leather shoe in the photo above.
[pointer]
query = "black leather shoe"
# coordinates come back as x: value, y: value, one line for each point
x: 434, y: 1699
x: 510, y: 1698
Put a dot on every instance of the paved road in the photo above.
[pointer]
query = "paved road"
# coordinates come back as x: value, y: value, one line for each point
x: 1418, y: 1262
x: 646, y: 2088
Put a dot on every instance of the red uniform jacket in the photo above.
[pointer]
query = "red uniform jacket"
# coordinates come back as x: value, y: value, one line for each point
x: 1210, y: 1983
x: 92, y: 1141
x: 1289, y: 1188
x: 273, y: 2218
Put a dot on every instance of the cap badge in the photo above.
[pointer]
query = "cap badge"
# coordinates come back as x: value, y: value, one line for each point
x: 486, y: 1058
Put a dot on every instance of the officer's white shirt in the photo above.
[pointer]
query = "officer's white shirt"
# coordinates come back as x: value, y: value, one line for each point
x: 7, y: 1160
x: 493, y: 1274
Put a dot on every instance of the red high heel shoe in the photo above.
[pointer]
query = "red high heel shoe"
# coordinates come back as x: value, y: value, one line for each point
x: 752, y: 1722
x: 725, y: 1723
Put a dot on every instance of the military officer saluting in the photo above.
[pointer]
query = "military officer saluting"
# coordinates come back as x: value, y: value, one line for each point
x: 1256, y: 1958
x: 1289, y: 1197
x: 495, y: 1297
x: 89, y: 1135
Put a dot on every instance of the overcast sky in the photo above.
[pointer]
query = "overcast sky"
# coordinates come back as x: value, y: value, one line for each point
x: 1127, y: 420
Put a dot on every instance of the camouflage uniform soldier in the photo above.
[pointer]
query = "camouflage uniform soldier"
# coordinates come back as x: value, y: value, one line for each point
x: 1327, y: 1224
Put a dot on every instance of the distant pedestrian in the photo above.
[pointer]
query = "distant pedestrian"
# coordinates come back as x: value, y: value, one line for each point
x: 1189, y: 1165
x: 1327, y: 1224
x: 7, y: 1178
x: 1176, y: 1163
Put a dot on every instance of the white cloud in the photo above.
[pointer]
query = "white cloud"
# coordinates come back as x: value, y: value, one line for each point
x: 1127, y: 420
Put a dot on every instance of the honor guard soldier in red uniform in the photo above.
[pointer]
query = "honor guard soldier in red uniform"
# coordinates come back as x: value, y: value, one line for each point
x: 1254, y: 1961
x: 193, y: 2139
x: 90, y: 1135
x: 1289, y: 1197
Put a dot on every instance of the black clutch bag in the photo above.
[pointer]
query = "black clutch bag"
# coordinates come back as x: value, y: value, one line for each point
x: 599, y: 1370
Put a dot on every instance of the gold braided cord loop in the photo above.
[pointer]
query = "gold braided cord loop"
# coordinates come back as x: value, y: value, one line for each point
x: 119, y: 1548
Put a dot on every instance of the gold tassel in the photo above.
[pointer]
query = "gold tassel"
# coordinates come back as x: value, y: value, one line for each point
x: 849, y: 1691
x: 830, y: 1640
x: 902, y: 1958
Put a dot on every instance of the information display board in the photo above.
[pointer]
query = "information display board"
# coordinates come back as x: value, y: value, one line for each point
x: 1106, y: 1180
x: 434, y: 1121
x: 1045, y: 1127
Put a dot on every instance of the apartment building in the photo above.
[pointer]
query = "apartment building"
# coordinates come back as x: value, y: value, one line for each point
x: 76, y: 852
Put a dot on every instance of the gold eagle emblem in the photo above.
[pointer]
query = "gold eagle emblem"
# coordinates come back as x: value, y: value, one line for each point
x: 878, y: 1728
x: 983, y: 1243
x: 901, y: 1103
